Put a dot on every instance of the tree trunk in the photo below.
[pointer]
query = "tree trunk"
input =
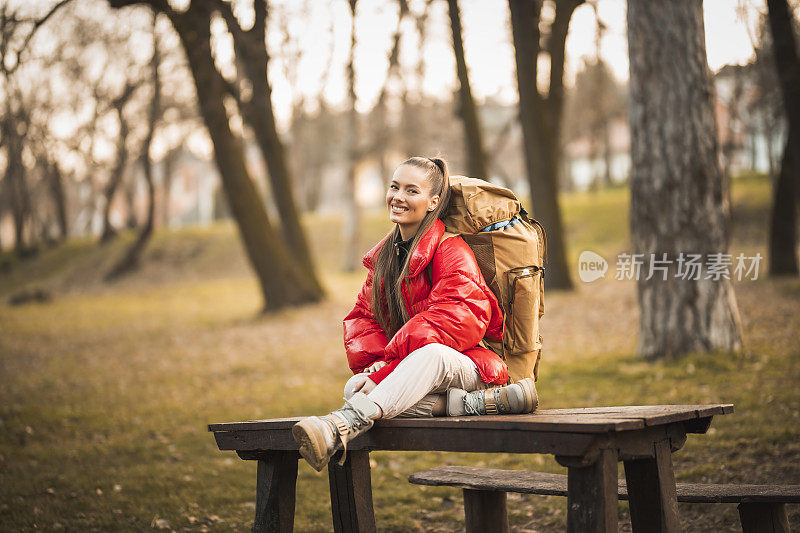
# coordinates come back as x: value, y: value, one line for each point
x: 783, y: 230
x: 18, y: 193
x: 129, y: 194
x: 315, y: 131
x: 476, y: 158
x: 678, y: 192
x: 783, y: 219
x: 554, y: 104
x: 540, y: 120
x: 352, y: 217
x: 56, y: 185
x: 258, y: 112
x: 133, y: 255
x: 115, y: 178
x: 607, y: 156
x: 166, y: 183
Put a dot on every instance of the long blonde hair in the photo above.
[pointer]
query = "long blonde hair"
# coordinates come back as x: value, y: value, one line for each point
x: 387, y: 297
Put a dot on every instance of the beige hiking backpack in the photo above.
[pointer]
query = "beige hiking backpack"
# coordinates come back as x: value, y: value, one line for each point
x: 511, y: 250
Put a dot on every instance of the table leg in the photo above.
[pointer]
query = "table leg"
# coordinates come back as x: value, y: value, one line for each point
x: 351, y: 493
x: 651, y: 491
x: 275, y: 492
x: 485, y: 510
x: 592, y: 495
x: 763, y: 518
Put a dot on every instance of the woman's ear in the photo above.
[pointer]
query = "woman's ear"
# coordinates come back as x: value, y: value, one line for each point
x: 433, y: 202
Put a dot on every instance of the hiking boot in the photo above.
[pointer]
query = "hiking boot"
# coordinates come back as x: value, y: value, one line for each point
x: 320, y: 437
x: 517, y: 398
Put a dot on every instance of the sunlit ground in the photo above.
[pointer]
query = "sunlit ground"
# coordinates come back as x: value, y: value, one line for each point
x: 107, y: 390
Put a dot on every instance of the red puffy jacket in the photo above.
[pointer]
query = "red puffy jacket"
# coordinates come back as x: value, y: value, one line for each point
x: 454, y: 307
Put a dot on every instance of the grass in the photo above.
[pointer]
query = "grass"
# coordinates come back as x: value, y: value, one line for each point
x: 106, y: 390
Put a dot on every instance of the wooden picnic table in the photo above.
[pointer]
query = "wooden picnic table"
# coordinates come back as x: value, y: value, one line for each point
x: 589, y: 442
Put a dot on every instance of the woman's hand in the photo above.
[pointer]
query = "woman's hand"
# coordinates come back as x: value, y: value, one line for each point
x: 366, y: 386
x: 374, y: 367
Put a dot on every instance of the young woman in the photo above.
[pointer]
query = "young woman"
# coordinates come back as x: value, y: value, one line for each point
x: 412, y: 339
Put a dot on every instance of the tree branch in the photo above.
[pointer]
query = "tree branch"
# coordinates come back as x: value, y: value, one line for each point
x: 160, y: 6
x: 226, y: 11
x: 38, y: 24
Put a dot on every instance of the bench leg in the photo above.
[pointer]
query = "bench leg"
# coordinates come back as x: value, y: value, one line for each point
x: 351, y: 493
x: 275, y: 492
x: 485, y: 510
x: 763, y: 518
x: 651, y: 491
x: 592, y: 495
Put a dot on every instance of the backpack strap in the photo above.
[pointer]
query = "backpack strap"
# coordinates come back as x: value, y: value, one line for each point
x: 446, y: 235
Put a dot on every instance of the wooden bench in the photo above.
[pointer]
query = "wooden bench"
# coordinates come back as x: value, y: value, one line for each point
x: 761, y: 507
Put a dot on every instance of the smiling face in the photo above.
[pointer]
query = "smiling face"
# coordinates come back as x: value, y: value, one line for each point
x: 409, y: 199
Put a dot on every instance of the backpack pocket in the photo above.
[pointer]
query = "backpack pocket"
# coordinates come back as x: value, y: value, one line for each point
x: 522, y: 324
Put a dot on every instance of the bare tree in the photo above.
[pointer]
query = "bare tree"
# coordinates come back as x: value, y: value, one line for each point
x: 93, y: 75
x: 256, y: 110
x: 411, y: 123
x: 410, y: 118
x: 466, y: 109
x: 282, y: 283
x: 766, y: 110
x: 121, y: 161
x: 783, y: 224
x: 133, y: 255
x: 382, y: 132
x: 16, y: 185
x: 540, y: 117
x: 352, y: 222
x: 16, y: 33
x: 678, y: 192
x: 591, y: 105
x: 168, y: 168
x: 729, y: 142
x: 54, y: 181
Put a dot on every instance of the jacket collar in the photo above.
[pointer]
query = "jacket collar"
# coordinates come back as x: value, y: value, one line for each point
x: 421, y: 255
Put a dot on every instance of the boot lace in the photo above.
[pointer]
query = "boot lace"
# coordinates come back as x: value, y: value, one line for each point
x: 473, y: 403
x: 350, y: 420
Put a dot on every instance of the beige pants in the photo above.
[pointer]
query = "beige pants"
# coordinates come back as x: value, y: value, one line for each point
x: 419, y: 380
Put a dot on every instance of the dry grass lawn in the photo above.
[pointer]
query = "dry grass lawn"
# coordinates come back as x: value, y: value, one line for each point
x: 105, y: 391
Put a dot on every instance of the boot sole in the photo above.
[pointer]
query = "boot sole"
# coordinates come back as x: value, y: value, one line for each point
x: 312, y: 444
x: 530, y: 394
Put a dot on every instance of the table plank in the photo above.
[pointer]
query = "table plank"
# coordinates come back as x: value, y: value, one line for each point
x: 592, y: 419
x: 423, y: 439
x: 589, y: 420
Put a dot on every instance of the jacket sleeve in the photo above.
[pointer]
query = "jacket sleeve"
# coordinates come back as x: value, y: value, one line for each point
x: 364, y: 339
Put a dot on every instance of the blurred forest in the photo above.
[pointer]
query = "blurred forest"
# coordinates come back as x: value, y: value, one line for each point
x: 143, y: 114
x: 187, y: 188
